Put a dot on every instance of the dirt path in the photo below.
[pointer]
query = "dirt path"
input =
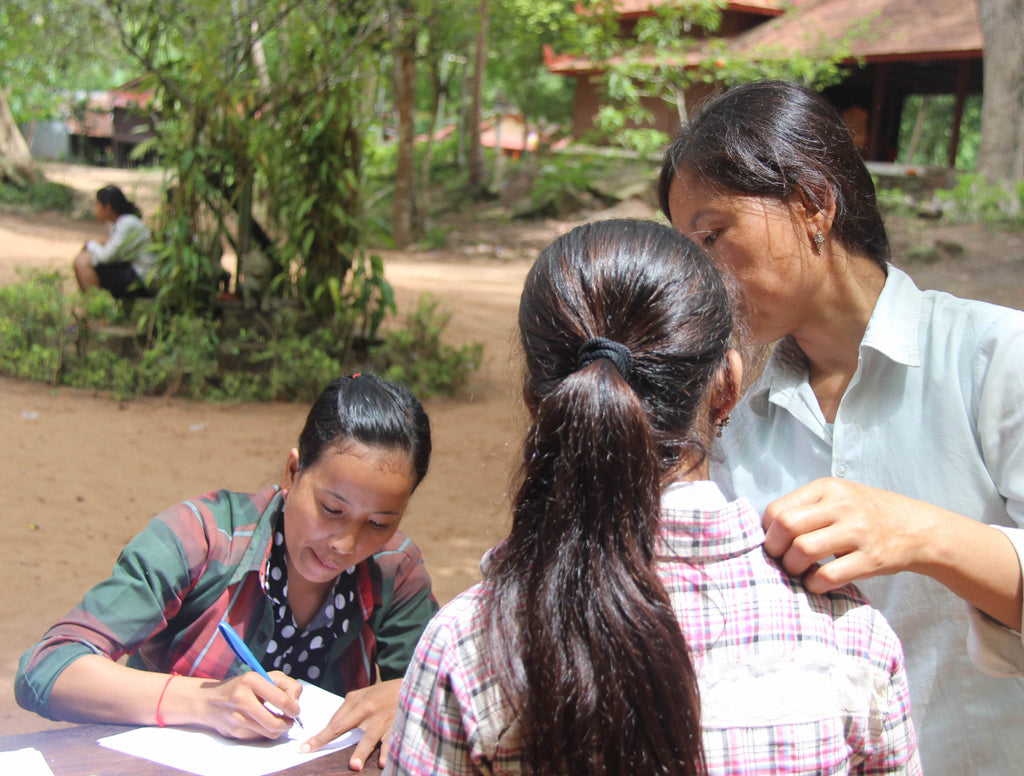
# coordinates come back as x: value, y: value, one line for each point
x: 83, y: 474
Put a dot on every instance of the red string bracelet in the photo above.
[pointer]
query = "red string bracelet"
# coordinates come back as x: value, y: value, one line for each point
x: 160, y: 719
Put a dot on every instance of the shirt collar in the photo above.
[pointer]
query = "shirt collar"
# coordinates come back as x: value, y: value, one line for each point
x: 270, y: 502
x: 893, y: 327
x: 699, y: 524
x: 783, y: 375
x: 892, y: 331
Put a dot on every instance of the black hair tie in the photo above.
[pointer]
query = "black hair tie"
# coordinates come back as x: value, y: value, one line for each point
x: 602, y: 347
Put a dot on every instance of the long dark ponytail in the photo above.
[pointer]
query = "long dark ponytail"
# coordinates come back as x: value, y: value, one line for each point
x: 623, y: 326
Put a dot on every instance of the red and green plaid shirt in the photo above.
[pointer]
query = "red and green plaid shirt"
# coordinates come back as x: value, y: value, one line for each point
x: 202, y: 561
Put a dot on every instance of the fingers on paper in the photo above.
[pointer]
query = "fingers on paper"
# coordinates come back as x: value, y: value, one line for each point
x: 372, y: 710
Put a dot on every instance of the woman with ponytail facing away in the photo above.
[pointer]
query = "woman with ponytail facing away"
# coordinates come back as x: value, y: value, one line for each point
x: 631, y: 622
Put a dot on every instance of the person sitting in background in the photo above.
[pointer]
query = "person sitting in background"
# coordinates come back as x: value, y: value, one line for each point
x: 122, y: 263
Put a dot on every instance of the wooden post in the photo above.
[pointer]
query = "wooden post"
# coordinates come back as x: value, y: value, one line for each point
x: 877, y: 107
x: 962, y: 71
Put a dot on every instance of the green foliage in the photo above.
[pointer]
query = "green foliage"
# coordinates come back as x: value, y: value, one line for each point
x: 894, y: 201
x: 561, y: 173
x: 647, y: 64
x: 614, y: 123
x: 926, y: 126
x: 59, y: 339
x: 974, y: 200
x: 823, y: 68
x: 34, y: 322
x: 49, y: 48
x: 189, y: 250
x: 104, y: 369
x: 261, y: 113
x: 921, y: 253
x: 434, y: 239
x: 416, y: 356
x: 516, y: 73
x: 36, y: 196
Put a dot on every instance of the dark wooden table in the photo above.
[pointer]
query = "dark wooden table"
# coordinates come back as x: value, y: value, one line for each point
x: 73, y: 751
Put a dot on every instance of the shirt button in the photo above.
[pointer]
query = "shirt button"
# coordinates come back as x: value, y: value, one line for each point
x: 841, y: 469
x: 261, y: 637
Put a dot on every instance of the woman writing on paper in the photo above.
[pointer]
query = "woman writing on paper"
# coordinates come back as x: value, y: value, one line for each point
x: 313, y: 574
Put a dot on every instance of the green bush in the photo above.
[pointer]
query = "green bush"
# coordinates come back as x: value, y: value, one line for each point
x: 60, y: 339
x: 975, y: 200
x: 34, y: 323
x: 921, y: 253
x: 38, y: 196
x: 106, y: 370
x: 894, y: 201
x: 415, y: 355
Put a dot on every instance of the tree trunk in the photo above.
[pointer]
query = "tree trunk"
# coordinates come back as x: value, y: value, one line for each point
x: 15, y: 159
x: 477, y: 169
x: 439, y: 63
x: 915, y: 136
x: 1001, y: 150
x: 403, y: 41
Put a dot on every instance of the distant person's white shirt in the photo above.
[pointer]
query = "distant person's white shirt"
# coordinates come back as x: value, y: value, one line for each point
x: 129, y: 241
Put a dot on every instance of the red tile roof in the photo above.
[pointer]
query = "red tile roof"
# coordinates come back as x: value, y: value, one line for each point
x: 631, y: 8
x: 895, y: 29
x: 878, y: 31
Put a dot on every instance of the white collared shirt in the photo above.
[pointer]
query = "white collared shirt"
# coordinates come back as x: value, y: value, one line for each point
x: 935, y: 411
x: 129, y: 241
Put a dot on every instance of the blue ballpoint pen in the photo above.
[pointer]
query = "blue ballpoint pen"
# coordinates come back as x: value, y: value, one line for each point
x: 242, y: 651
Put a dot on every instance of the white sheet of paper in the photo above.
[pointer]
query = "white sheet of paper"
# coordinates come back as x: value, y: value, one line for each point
x: 206, y: 753
x: 24, y: 762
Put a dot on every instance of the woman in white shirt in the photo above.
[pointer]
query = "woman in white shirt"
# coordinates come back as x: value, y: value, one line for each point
x: 886, y: 434
x: 122, y: 263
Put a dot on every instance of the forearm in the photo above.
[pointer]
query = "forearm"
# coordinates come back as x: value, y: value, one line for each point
x: 99, y: 251
x: 96, y: 689
x: 974, y: 560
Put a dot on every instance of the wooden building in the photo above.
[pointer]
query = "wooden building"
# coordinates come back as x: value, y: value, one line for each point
x: 897, y: 48
x: 108, y: 125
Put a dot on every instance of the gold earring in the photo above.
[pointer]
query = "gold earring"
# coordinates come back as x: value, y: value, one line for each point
x: 819, y: 242
x: 721, y: 425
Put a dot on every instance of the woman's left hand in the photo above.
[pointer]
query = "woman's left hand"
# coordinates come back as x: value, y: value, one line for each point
x: 371, y: 709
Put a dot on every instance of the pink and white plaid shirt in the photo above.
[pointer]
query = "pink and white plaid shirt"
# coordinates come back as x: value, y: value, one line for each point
x: 790, y: 682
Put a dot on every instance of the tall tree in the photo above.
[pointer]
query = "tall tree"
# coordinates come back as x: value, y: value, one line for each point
x: 15, y: 160
x: 47, y: 47
x: 402, y: 27
x: 446, y: 49
x: 477, y: 167
x: 262, y: 102
x: 1001, y: 150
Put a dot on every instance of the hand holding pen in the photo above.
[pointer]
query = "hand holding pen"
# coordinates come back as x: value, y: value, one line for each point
x: 243, y: 653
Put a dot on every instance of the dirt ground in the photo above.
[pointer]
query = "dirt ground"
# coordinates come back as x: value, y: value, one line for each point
x: 84, y: 473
